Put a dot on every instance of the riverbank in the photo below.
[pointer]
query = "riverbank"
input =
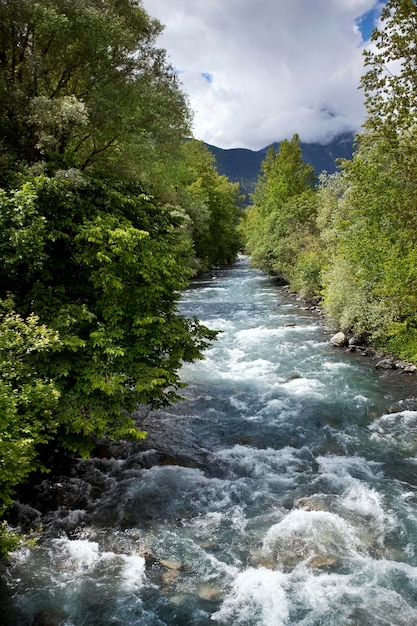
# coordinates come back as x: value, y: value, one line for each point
x: 354, y: 343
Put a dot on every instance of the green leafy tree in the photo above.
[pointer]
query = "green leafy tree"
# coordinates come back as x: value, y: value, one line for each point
x: 390, y: 87
x: 211, y: 203
x: 390, y: 82
x: 366, y: 219
x: 82, y: 82
x: 102, y: 214
x: 107, y: 277
x: 281, y: 233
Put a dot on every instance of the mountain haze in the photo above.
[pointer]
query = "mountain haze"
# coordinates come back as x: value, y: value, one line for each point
x: 243, y: 166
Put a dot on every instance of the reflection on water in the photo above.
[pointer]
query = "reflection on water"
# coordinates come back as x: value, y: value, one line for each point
x: 281, y: 492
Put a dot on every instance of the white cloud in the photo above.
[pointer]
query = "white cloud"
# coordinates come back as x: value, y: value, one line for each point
x: 257, y: 71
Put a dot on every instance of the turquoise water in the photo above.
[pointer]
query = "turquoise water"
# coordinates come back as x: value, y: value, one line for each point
x: 282, y: 492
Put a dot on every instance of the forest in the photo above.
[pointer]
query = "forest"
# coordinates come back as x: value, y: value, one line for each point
x: 108, y: 207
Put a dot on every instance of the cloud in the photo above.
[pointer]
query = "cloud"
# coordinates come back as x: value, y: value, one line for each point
x: 258, y: 71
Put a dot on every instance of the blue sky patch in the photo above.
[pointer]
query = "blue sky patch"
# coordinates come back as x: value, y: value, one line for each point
x: 208, y: 77
x: 366, y: 23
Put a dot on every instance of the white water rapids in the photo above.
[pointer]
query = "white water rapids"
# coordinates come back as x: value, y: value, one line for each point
x: 281, y: 493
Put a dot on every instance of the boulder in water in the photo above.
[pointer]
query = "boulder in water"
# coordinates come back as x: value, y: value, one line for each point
x: 171, y: 565
x: 209, y: 592
x: 169, y: 577
x: 409, y: 368
x: 311, y: 505
x: 172, y: 573
x: 321, y: 561
x: 386, y: 364
x: 339, y: 340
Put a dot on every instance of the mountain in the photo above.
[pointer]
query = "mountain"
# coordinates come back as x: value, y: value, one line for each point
x: 243, y: 166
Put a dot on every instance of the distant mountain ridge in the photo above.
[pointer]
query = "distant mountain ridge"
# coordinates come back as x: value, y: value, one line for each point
x: 243, y: 166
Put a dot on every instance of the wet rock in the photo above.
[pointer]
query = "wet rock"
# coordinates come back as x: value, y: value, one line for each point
x: 339, y: 340
x: 356, y: 340
x: 260, y: 561
x: 148, y: 556
x: 178, y: 599
x: 310, y: 505
x: 24, y: 516
x: 386, y: 364
x: 409, y: 368
x: 289, y: 325
x: 208, y: 592
x: 172, y: 573
x: 73, y: 493
x: 321, y: 562
x: 68, y: 520
x: 207, y: 545
x: 171, y: 565
x: 103, y: 452
x: 169, y: 577
x: 169, y: 460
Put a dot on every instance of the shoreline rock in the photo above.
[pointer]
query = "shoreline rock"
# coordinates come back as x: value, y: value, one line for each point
x: 385, y: 361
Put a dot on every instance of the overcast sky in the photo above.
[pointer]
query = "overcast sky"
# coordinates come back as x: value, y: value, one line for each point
x: 258, y: 71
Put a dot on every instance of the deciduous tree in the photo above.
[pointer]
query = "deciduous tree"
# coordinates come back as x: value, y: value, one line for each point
x: 82, y: 82
x: 281, y: 225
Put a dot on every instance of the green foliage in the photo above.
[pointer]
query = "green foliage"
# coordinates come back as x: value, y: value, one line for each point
x: 368, y: 223
x: 82, y: 83
x: 108, y: 280
x: 305, y: 275
x: 11, y: 540
x: 105, y: 213
x: 280, y: 228
x: 28, y: 399
x: 367, y: 215
x: 390, y: 81
x: 211, y: 203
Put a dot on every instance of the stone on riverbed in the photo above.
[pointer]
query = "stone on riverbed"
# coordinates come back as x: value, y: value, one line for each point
x: 339, y: 340
x: 169, y: 577
x: 386, y: 364
x: 172, y: 565
x: 321, y: 562
x: 172, y: 573
x: 209, y: 592
x: 309, y: 504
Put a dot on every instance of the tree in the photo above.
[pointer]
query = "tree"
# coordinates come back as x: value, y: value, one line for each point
x: 368, y: 224
x: 82, y: 82
x: 211, y: 203
x: 390, y: 83
x: 107, y: 277
x: 281, y: 225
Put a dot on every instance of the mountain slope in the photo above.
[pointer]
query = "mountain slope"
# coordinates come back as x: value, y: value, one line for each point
x: 243, y: 166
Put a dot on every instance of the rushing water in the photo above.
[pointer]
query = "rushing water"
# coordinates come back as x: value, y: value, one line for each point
x: 282, y: 492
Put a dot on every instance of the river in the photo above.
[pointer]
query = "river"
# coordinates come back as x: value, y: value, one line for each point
x: 281, y: 492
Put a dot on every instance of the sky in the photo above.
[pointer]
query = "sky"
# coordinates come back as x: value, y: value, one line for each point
x: 258, y: 71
